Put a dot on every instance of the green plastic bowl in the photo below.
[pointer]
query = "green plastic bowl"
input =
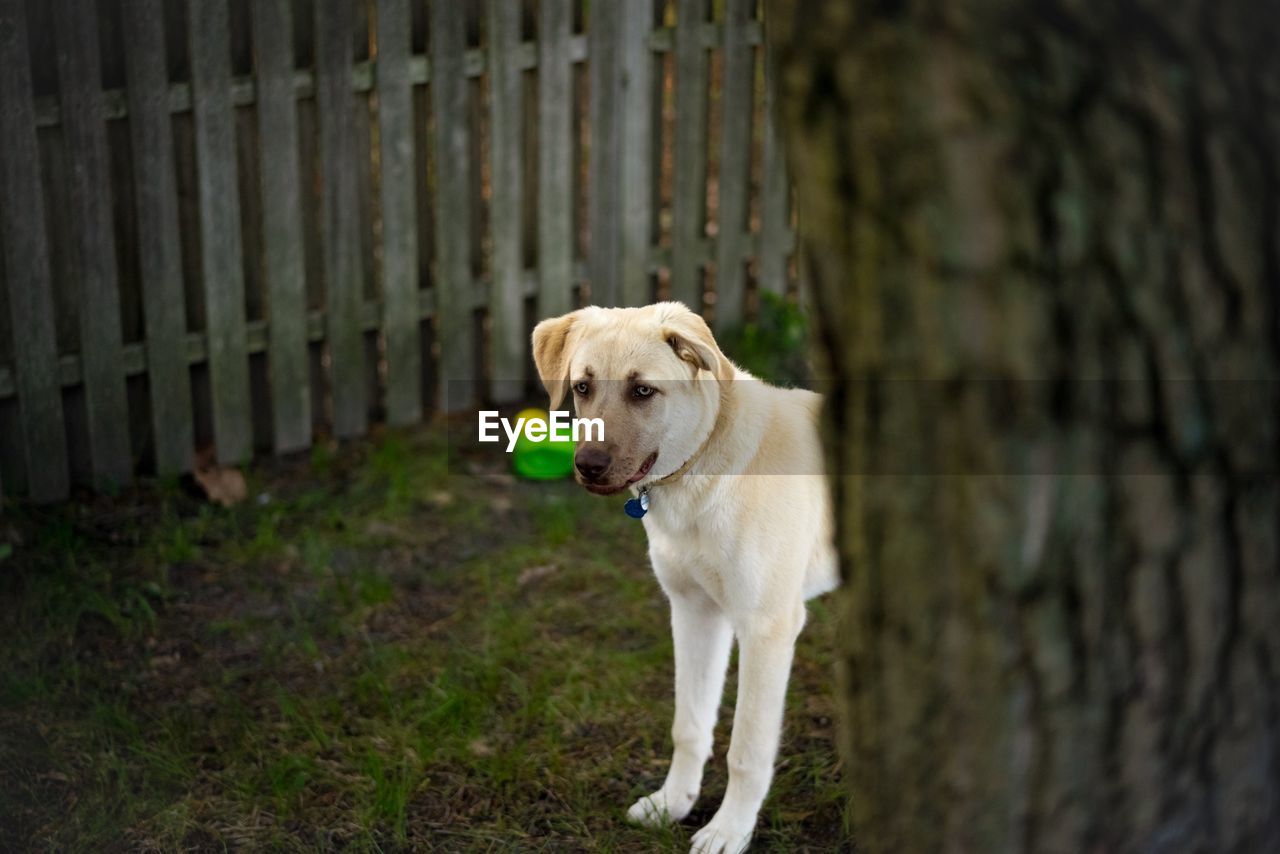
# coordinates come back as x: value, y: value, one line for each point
x: 550, y: 459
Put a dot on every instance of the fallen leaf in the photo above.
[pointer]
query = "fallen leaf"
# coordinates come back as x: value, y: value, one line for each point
x: 222, y: 485
x: 535, y: 573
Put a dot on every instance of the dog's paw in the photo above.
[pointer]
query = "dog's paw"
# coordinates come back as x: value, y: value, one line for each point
x: 720, y: 837
x: 659, y: 809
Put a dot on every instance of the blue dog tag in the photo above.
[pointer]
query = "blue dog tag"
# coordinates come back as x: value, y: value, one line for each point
x: 637, y: 507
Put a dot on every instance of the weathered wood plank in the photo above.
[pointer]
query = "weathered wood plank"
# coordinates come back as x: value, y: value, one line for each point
x: 605, y: 165
x: 424, y: 195
x: 637, y: 133
x: 690, y: 194
x: 775, y: 213
x: 220, y: 243
x: 529, y: 135
x: 362, y: 123
x: 399, y: 224
x: 93, y: 244
x: 555, y: 159
x: 735, y: 165
x: 55, y: 182
x: 283, y: 262
x: 342, y: 263
x: 506, y: 100
x: 476, y: 119
x: 26, y: 262
x: 453, y: 205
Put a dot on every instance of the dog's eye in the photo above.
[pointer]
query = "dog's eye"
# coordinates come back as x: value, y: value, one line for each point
x: 641, y: 391
x: 583, y: 389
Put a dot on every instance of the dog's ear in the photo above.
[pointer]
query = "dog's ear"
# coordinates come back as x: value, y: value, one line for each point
x: 691, y: 339
x: 551, y: 354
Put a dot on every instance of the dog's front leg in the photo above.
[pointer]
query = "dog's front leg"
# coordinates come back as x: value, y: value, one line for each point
x: 765, y: 649
x: 702, y: 638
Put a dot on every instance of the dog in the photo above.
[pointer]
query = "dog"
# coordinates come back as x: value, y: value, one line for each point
x: 726, y: 473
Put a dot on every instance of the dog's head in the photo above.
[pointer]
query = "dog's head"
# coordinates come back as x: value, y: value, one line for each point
x: 652, y: 375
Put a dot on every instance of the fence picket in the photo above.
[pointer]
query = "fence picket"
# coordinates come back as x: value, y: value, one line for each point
x: 26, y: 261
x: 454, y: 326
x: 400, y: 323
x: 283, y: 262
x: 604, y: 179
x: 689, y: 202
x: 159, y: 249
x: 93, y: 245
x: 220, y: 245
x: 344, y: 291
x: 637, y: 164
x: 555, y: 159
x: 735, y: 163
x: 506, y: 299
x: 774, y: 201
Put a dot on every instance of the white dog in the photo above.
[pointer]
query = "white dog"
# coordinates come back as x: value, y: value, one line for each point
x: 727, y: 474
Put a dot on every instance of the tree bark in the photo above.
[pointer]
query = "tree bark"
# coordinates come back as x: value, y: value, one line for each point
x: 1043, y: 244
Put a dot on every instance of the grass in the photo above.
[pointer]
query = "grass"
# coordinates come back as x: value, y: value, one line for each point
x: 371, y: 653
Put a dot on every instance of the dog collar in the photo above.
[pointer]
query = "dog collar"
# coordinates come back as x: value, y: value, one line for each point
x: 638, y: 506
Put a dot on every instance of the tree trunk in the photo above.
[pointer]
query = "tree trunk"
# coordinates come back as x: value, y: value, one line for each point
x: 1043, y: 241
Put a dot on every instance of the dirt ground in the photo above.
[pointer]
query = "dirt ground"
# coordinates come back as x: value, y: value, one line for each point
x: 374, y: 651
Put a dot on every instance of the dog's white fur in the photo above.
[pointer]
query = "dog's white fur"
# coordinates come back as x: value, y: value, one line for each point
x: 738, y: 542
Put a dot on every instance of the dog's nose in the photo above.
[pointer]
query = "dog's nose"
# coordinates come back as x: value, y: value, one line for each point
x: 591, y: 462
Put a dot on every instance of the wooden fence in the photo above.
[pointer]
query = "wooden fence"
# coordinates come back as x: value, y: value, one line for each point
x: 248, y: 223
